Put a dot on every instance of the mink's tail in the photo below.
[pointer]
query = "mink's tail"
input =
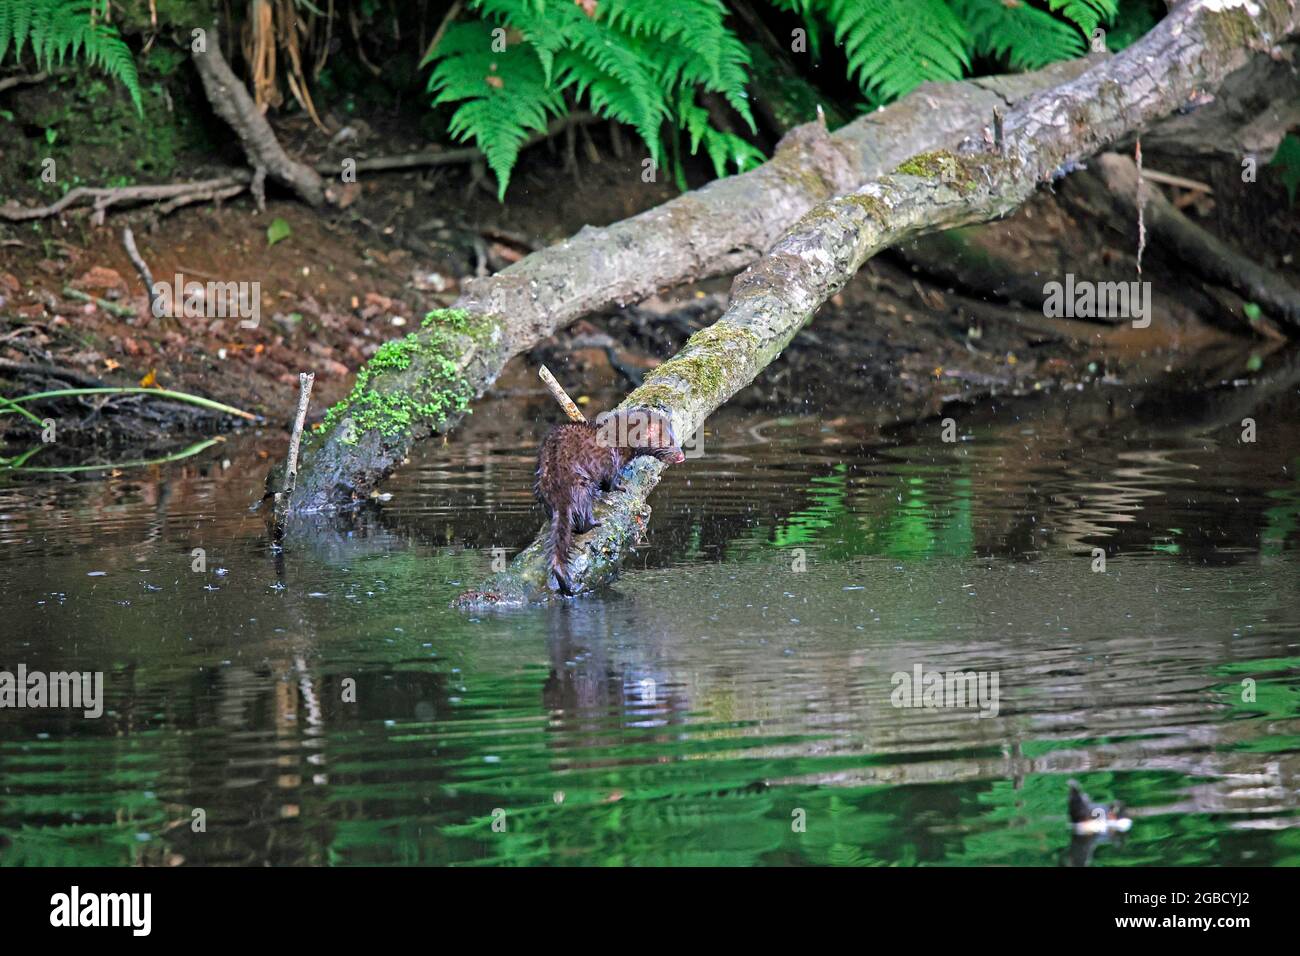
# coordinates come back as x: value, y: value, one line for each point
x: 557, y: 546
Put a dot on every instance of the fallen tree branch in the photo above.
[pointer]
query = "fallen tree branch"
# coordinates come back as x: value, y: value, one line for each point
x: 281, y: 502
x: 453, y: 157
x: 1192, y: 50
x: 102, y: 198
x: 714, y: 230
x: 230, y: 100
x: 9, y: 82
x: 1187, y: 242
x: 1247, y: 115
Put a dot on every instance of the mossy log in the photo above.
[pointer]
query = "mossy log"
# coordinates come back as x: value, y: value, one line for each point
x: 715, y: 230
x: 1190, y: 52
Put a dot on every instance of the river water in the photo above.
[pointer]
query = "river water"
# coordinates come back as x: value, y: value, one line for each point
x: 734, y: 699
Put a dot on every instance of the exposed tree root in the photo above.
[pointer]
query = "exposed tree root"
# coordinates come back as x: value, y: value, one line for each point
x: 230, y: 100
x: 172, y: 195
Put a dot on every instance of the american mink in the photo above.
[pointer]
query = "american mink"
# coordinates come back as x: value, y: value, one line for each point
x: 579, y: 459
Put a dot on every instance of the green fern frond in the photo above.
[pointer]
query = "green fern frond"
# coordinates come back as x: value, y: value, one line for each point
x: 646, y: 63
x: 503, y: 96
x: 634, y: 61
x: 724, y: 149
x: 894, y: 46
x: 619, y: 82
x: 691, y: 44
x: 1026, y: 37
x: 58, y: 29
x: 578, y: 54
x: 1088, y: 14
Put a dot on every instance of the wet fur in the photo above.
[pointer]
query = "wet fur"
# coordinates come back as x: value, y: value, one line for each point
x: 577, y: 462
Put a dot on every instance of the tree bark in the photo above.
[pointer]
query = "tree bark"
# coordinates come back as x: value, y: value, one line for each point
x: 715, y: 230
x: 1189, y: 53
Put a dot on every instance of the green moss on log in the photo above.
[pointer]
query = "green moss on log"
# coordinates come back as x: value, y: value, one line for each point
x: 943, y: 165
x: 872, y: 206
x: 929, y: 165
x: 653, y: 394
x: 703, y: 365
x: 384, y: 400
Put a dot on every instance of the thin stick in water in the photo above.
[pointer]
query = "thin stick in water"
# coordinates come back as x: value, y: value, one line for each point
x: 305, y: 382
x: 285, y: 494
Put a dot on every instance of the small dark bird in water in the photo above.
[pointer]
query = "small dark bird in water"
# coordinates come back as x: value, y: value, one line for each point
x: 1087, y: 816
x: 580, y: 459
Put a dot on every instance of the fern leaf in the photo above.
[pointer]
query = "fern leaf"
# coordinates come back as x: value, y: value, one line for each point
x: 895, y: 45
x: 1087, y: 14
x: 634, y: 61
x: 1026, y: 37
x: 57, y: 29
x: 724, y: 149
x: 503, y: 95
x: 693, y: 44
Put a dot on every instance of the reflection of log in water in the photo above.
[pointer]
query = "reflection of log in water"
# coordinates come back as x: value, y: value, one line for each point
x: 1158, y: 414
x: 1096, y: 511
x: 598, y: 701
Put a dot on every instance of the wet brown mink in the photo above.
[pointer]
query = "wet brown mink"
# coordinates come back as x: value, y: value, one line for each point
x: 580, y: 459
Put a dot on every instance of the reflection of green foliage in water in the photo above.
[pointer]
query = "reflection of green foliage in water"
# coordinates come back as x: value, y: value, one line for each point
x: 827, y: 511
x: 458, y: 717
x: 1282, y: 518
x: 929, y: 515
x: 1277, y: 699
x: 919, y: 528
x: 1026, y: 821
x: 107, y: 821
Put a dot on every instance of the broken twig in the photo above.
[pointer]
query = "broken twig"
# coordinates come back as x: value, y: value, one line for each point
x: 142, y: 267
x: 285, y: 494
x: 120, y: 311
x: 561, y: 396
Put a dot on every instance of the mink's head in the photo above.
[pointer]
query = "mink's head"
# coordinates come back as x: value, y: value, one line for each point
x: 642, y: 431
x: 661, y: 440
